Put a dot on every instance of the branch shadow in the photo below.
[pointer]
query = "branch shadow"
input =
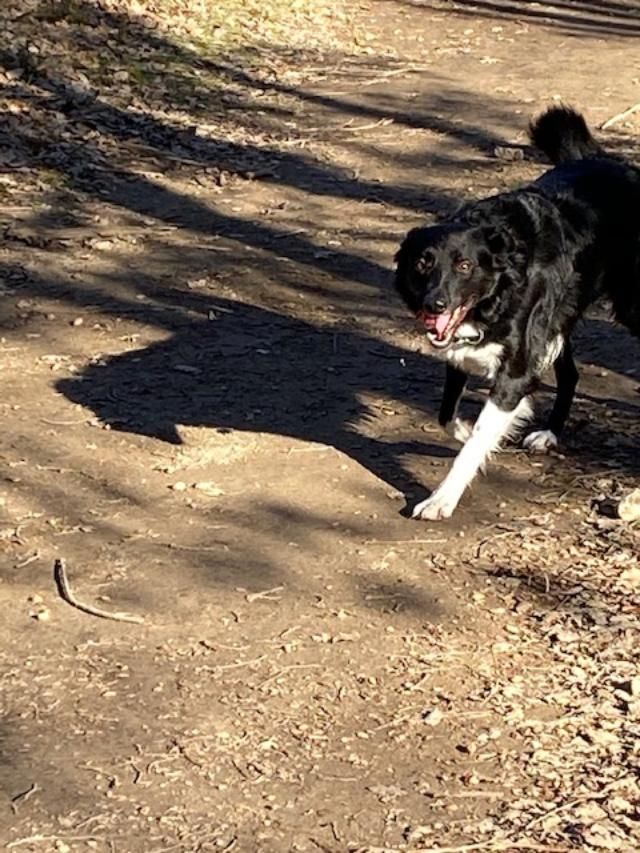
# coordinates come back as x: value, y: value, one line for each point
x: 90, y: 133
x: 591, y: 18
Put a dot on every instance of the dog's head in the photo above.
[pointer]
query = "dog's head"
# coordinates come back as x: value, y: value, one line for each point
x: 450, y: 277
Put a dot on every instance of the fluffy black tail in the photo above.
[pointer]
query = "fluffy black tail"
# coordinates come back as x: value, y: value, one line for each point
x: 562, y: 134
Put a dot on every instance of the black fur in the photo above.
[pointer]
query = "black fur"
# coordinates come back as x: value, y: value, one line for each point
x: 525, y: 265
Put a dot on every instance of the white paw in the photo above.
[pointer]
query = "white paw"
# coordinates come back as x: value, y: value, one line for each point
x: 459, y: 429
x: 439, y: 505
x: 540, y: 441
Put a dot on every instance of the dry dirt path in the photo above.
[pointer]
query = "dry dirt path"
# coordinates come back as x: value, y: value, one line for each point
x: 214, y: 411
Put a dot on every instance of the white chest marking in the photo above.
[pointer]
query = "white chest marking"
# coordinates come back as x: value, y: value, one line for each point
x: 481, y: 360
x: 484, y: 360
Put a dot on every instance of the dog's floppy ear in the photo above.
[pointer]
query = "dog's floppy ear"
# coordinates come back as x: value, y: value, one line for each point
x: 401, y: 255
x: 414, y: 256
x: 413, y: 252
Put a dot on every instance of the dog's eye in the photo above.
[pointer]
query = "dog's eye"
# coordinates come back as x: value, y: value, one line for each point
x: 463, y: 266
x: 424, y: 263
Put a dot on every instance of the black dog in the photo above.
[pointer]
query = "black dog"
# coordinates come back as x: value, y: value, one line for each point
x: 500, y: 286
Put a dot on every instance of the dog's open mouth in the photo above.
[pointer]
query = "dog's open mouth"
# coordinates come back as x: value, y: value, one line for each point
x: 441, y: 328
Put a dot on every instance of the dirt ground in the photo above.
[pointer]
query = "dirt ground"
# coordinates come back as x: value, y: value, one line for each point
x: 216, y: 412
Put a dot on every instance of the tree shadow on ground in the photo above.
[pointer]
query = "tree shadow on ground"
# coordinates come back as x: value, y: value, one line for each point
x: 594, y: 18
x: 89, y: 134
x: 84, y: 165
x: 94, y: 162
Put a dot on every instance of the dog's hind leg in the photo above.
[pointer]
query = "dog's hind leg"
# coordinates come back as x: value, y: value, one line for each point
x: 567, y: 377
x: 454, y: 386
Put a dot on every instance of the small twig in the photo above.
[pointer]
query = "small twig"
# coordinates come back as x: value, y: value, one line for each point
x: 405, y: 541
x: 112, y: 780
x: 591, y: 795
x: 337, y: 778
x: 619, y: 116
x: 185, y: 754
x: 240, y: 663
x: 265, y: 594
x: 204, y: 548
x: 491, y: 538
x: 63, y: 423
x: 24, y: 795
x: 28, y: 560
x: 495, y: 846
x: 87, y: 820
x: 381, y: 78
x: 320, y: 845
x: 384, y: 596
x: 335, y: 832
x: 136, y: 771
x: 60, y: 576
x: 282, y: 635
x: 239, y: 769
x: 36, y: 839
x: 382, y: 123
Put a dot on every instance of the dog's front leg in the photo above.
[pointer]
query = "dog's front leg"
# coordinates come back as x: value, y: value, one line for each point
x: 493, y: 425
x: 454, y: 385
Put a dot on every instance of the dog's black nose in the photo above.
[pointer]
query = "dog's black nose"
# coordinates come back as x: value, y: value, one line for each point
x: 435, y: 307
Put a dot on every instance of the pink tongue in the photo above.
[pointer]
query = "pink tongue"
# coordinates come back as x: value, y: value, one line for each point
x: 442, y: 321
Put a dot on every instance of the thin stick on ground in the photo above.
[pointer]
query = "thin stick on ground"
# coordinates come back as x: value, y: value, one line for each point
x: 264, y: 595
x: 498, y: 845
x: 405, y: 541
x: 359, y: 128
x: 38, y: 839
x: 590, y: 795
x: 23, y: 796
x: 504, y: 847
x: 60, y: 576
x: 619, y: 116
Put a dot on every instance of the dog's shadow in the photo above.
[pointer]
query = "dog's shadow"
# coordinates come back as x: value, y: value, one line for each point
x: 252, y: 369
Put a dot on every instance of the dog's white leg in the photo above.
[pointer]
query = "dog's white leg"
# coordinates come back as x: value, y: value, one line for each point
x: 492, y: 426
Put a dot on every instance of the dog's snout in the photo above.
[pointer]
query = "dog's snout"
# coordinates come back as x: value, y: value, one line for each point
x: 434, y: 306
